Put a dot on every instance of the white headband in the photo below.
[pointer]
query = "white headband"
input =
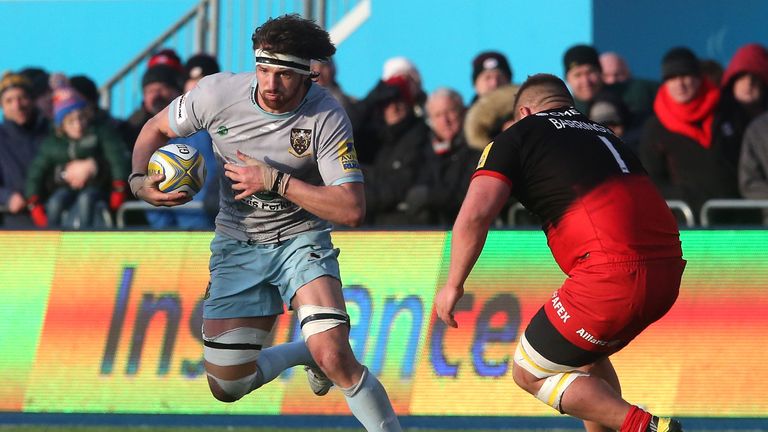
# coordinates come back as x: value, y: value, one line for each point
x: 298, y: 64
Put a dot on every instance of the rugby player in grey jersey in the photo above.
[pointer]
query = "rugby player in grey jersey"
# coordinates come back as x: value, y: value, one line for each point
x: 290, y: 172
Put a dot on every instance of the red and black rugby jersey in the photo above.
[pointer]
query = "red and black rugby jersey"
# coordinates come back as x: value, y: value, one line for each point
x: 589, y: 189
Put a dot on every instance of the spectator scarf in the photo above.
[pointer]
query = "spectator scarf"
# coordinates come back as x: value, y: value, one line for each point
x: 693, y: 119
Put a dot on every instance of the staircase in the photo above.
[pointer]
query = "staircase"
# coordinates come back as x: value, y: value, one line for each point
x: 223, y: 28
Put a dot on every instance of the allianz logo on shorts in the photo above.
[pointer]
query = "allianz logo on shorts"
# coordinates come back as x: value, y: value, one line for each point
x: 267, y: 201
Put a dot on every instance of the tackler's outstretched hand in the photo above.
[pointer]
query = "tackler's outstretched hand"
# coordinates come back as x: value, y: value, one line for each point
x: 147, y: 188
x: 445, y: 303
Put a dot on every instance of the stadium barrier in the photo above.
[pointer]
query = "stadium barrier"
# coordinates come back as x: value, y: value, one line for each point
x: 109, y: 323
x: 729, y: 204
x: 141, y: 206
x: 677, y: 206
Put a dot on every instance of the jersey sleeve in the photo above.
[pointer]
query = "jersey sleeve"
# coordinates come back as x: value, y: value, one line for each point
x: 188, y: 113
x: 500, y: 159
x: 336, y: 155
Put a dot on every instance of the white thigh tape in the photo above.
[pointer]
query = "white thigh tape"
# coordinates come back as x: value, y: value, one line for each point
x: 236, y: 388
x: 530, y: 360
x: 234, y: 347
x: 317, y: 319
x: 551, y: 392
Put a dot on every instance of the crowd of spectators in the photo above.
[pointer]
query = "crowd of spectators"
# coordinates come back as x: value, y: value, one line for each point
x: 701, y: 132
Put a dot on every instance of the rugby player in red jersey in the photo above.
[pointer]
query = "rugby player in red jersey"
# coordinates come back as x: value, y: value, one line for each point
x: 609, y: 230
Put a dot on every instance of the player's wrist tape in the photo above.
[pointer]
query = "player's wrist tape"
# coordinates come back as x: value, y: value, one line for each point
x: 281, y: 183
x: 276, y: 181
x: 136, y: 182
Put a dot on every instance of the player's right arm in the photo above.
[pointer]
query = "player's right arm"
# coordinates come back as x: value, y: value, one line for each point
x: 153, y: 135
x: 485, y: 198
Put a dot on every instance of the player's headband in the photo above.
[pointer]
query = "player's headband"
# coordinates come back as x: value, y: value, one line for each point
x: 298, y: 64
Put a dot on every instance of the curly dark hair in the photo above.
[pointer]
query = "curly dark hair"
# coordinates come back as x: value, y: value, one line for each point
x: 294, y: 35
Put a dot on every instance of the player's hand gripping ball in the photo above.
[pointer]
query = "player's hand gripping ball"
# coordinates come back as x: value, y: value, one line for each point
x: 183, y: 166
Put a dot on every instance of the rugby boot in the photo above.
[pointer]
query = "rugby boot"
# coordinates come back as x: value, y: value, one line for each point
x: 664, y: 424
x: 318, y: 382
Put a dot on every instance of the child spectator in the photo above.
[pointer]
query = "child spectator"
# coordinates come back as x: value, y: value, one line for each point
x: 78, y: 165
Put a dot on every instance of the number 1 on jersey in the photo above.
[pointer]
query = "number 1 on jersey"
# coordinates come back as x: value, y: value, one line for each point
x: 615, y: 153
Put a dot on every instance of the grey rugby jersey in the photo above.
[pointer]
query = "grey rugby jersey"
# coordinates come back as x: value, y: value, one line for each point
x: 313, y: 143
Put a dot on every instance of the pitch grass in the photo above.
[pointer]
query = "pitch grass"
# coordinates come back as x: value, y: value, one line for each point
x: 49, y: 428
x: 35, y: 428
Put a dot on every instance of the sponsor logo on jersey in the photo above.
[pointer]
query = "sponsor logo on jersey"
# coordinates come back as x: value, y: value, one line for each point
x: 301, y: 140
x: 181, y: 109
x: 266, y: 200
x: 348, y: 156
x: 484, y: 156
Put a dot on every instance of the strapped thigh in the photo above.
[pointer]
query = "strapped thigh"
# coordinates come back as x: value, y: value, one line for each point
x: 317, y: 319
x: 234, y: 347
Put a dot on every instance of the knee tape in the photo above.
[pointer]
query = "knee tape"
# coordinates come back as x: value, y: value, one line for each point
x: 239, y: 387
x: 527, y: 358
x: 234, y: 347
x: 317, y: 319
x: 551, y: 392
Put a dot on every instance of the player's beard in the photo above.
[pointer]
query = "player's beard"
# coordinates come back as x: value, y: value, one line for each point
x: 281, y: 100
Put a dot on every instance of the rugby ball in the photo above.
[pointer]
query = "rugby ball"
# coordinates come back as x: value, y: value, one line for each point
x: 183, y: 166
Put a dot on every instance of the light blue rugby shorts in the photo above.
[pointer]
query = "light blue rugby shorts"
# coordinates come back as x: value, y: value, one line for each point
x: 255, y: 280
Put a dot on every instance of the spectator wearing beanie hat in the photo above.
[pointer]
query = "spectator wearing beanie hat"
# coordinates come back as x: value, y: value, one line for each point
x: 85, y: 164
x: 167, y: 57
x: 490, y: 70
x: 65, y: 100
x: 21, y: 132
x: 676, y: 145
x: 18, y: 87
x: 583, y: 74
x: 401, y: 66
x: 160, y: 85
x: 197, y: 67
x: 400, y: 82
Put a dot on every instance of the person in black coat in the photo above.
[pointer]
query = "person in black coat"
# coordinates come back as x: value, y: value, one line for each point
x: 448, y: 165
x: 399, y: 137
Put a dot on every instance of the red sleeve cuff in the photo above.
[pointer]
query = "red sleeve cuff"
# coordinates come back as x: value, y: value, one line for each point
x: 494, y: 174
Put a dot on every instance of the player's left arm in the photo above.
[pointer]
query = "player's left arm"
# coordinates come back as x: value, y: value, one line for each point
x: 484, y: 200
x: 341, y: 199
x: 341, y: 204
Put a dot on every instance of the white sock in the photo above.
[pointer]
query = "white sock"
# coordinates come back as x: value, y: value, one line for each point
x: 274, y: 360
x: 369, y: 402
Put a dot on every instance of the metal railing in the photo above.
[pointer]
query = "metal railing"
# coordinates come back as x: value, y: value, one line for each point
x: 122, y: 93
x: 222, y: 28
x: 674, y: 205
x: 685, y: 209
x: 729, y: 204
